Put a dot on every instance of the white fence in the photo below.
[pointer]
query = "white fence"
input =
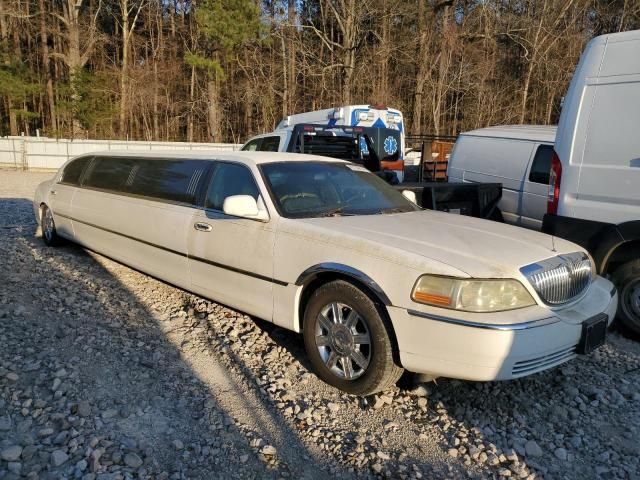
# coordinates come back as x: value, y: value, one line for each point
x: 48, y: 153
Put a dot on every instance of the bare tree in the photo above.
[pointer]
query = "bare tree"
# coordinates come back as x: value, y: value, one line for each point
x: 79, y: 41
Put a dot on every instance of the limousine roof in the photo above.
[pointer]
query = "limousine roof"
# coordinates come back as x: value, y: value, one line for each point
x: 255, y: 158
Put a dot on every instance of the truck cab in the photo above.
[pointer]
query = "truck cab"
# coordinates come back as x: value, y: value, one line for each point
x: 371, y: 135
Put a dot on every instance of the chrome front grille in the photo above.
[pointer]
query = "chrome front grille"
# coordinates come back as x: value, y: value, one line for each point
x: 560, y: 279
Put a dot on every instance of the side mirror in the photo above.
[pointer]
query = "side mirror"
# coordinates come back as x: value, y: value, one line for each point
x: 245, y: 206
x: 410, y: 195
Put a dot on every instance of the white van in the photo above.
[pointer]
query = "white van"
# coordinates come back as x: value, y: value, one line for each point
x: 594, y: 195
x: 519, y: 157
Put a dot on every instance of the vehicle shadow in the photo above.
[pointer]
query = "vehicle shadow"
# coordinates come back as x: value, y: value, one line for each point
x: 66, y: 315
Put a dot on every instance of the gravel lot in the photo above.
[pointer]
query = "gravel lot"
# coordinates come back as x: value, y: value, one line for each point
x: 107, y: 373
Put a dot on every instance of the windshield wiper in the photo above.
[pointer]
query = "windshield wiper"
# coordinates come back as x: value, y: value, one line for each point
x: 335, y: 212
x: 392, y: 210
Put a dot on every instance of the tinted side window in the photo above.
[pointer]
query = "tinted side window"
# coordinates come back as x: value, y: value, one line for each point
x: 230, y: 179
x: 252, y: 146
x: 270, y: 144
x: 541, y: 166
x: 109, y: 173
x: 72, y: 172
x: 172, y: 180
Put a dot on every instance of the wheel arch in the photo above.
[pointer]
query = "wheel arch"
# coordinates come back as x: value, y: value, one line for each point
x: 316, y: 276
x: 617, y: 245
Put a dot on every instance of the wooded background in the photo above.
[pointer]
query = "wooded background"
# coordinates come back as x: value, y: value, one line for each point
x: 223, y: 70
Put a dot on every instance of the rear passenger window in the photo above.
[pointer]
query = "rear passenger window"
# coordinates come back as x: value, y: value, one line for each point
x: 230, y: 179
x: 270, y: 144
x: 252, y: 146
x: 109, y: 173
x: 72, y: 172
x: 172, y: 180
x: 541, y: 165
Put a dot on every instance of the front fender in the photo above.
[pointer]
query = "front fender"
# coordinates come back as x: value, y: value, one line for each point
x: 329, y: 267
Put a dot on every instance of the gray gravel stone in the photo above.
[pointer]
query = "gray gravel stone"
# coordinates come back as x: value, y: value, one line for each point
x: 532, y: 449
x: 11, y: 453
x: 58, y: 457
x: 5, y: 423
x: 132, y: 460
x: 560, y: 453
x: 84, y: 408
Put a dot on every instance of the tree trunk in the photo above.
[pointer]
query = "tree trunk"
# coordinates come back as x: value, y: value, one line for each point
x: 212, y: 109
x: 443, y: 70
x: 13, y: 119
x: 291, y: 12
x: 525, y: 92
x: 46, y: 65
x: 124, y: 9
x: 192, y: 93
x: 422, y: 70
x: 286, y: 92
x: 74, y: 61
x: 4, y: 31
x: 156, y: 111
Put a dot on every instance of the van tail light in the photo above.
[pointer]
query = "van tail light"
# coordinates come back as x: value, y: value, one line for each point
x: 554, y: 184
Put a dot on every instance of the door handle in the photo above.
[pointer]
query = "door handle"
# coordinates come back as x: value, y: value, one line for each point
x: 202, y: 227
x: 53, y: 192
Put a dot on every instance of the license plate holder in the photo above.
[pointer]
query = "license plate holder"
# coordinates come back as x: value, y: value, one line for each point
x: 594, y: 334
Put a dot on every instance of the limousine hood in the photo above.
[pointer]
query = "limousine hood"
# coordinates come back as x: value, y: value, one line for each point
x: 479, y: 248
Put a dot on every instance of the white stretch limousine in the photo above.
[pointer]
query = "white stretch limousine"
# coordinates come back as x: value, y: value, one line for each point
x: 326, y: 248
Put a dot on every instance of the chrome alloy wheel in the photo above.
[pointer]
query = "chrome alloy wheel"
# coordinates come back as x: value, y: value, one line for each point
x: 343, y: 340
x: 48, y: 226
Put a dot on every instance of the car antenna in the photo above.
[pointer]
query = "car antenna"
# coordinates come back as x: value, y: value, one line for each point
x: 553, y: 243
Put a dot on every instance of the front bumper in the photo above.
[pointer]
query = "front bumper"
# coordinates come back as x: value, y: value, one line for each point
x: 445, y: 346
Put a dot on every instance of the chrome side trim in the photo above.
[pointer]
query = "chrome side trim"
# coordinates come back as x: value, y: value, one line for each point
x: 312, y: 272
x: 487, y: 326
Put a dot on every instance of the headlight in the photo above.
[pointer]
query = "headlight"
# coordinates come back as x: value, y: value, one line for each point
x: 471, y: 295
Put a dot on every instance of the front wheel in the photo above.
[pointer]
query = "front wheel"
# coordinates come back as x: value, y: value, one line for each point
x: 49, y: 233
x: 627, y: 280
x: 347, y: 341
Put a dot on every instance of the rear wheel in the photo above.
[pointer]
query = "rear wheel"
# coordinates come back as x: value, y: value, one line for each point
x: 347, y: 340
x: 627, y: 280
x: 49, y: 234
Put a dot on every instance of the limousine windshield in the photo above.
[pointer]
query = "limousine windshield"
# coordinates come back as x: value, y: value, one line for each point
x: 317, y: 189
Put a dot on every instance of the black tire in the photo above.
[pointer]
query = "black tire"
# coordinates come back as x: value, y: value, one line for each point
x: 49, y: 234
x: 627, y: 280
x: 380, y: 371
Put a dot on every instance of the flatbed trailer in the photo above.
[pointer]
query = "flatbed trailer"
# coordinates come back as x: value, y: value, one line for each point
x: 471, y: 199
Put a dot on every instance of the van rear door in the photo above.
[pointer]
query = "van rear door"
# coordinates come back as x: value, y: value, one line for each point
x: 609, y: 182
x: 536, y: 187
